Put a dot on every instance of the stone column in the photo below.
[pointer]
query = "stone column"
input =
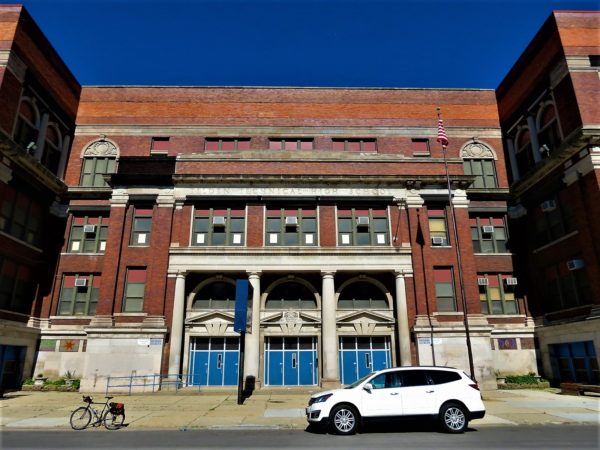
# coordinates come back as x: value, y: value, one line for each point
x: 535, y: 143
x: 64, y: 151
x: 41, y: 138
x: 252, y: 355
x: 331, y: 374
x: 177, y: 325
x: 402, y: 320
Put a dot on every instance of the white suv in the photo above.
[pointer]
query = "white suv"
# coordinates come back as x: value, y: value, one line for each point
x: 442, y: 392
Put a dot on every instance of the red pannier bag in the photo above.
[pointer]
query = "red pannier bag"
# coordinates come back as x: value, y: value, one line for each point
x: 117, y: 408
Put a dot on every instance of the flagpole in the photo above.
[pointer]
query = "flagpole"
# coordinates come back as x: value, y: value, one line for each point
x: 443, y: 139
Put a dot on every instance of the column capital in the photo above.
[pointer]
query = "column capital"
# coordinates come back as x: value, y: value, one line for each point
x: 327, y: 273
x: 254, y: 273
x: 403, y: 273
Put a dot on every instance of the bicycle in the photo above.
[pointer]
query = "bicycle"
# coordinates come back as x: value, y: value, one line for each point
x: 112, y: 415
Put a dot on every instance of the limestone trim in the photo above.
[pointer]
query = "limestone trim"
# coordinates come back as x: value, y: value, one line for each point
x: 286, y: 279
x: 101, y: 147
x: 477, y: 149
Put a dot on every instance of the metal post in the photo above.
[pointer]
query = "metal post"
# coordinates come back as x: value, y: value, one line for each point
x: 240, y: 397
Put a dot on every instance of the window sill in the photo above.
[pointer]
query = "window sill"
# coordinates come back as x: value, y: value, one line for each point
x: 130, y: 314
x: 493, y: 254
x: 82, y: 253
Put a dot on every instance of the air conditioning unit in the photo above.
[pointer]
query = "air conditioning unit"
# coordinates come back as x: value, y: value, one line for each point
x: 482, y: 281
x: 362, y: 221
x: 548, y: 205
x: 438, y: 240
x: 291, y: 221
x: 488, y: 229
x: 218, y: 221
x: 89, y: 229
x: 510, y: 281
x: 575, y: 264
x: 80, y: 282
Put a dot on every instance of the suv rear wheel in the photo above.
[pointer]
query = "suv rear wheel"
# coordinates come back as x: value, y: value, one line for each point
x: 344, y: 420
x: 453, y: 418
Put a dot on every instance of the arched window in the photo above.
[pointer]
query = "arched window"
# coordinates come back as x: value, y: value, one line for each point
x: 549, y: 133
x: 478, y: 160
x: 362, y: 295
x: 217, y: 295
x: 99, y: 159
x: 523, y: 151
x: 291, y: 295
x: 27, y: 128
x: 52, y: 148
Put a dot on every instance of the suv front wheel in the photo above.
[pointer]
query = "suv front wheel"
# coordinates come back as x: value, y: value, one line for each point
x: 453, y: 418
x: 343, y: 420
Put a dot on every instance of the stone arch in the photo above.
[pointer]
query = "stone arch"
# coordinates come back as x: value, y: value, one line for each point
x: 365, y: 279
x: 56, y: 129
x: 201, y: 285
x: 101, y: 147
x: 476, y: 149
x: 290, y: 278
x: 541, y: 111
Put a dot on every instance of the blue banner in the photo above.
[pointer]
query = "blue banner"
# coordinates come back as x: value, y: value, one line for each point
x: 241, y: 306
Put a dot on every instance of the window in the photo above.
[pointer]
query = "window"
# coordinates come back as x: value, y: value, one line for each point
x: 218, y: 226
x: 565, y: 288
x: 489, y: 234
x: 438, y: 226
x: 362, y: 226
x: 88, y: 235
x: 94, y: 170
x: 17, y: 286
x: 291, y: 227
x: 26, y: 130
x: 141, y: 227
x: 355, y: 145
x: 52, y: 148
x: 217, y: 295
x: 523, y: 151
x: 133, y: 299
x: 290, y: 144
x: 291, y: 295
x: 420, y: 147
x: 414, y: 378
x: 160, y: 145
x: 553, y: 219
x: 362, y: 295
x: 484, y: 171
x: 20, y: 216
x: 226, y: 144
x: 549, y: 133
x: 79, y: 295
x: 498, y: 296
x: 444, y: 289
x: 443, y: 376
x: 387, y: 380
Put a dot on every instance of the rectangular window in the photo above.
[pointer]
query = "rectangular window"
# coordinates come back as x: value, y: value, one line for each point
x: 17, y: 286
x: 553, y: 219
x: 497, y: 296
x: 420, y: 147
x: 291, y: 144
x: 219, y: 226
x: 438, y: 226
x: 20, y: 216
x: 226, y: 144
x: 565, y: 287
x: 133, y: 299
x: 355, y: 145
x: 94, y: 170
x: 88, y: 235
x: 489, y: 234
x: 291, y: 227
x: 444, y: 289
x: 160, y: 145
x: 141, y: 227
x: 79, y: 295
x: 362, y: 226
x: 484, y: 172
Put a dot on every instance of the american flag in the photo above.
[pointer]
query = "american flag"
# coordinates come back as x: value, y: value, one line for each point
x: 442, y: 137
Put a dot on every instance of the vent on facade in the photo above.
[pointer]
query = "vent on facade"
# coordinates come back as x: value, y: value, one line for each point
x: 438, y: 240
x: 291, y: 221
x: 482, y: 281
x: 362, y: 221
x: 80, y: 282
x: 488, y: 229
x: 510, y: 281
x: 575, y: 264
x: 89, y: 229
x: 218, y: 221
x: 516, y: 211
x: 548, y: 206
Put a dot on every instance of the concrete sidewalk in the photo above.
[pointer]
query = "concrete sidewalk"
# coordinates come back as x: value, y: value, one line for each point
x: 270, y: 408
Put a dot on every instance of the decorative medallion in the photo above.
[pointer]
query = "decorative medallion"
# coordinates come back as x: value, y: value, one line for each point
x: 101, y: 147
x: 476, y: 150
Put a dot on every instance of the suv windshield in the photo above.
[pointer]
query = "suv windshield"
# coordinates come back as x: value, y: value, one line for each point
x: 357, y: 382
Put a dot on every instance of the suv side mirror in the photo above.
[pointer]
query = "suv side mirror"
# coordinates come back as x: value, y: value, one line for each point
x: 368, y: 387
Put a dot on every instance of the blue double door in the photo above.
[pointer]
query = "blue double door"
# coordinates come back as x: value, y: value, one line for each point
x: 12, y: 359
x: 359, y: 356
x: 214, y: 361
x: 291, y: 361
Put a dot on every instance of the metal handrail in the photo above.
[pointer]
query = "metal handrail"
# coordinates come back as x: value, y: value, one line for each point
x: 156, y: 381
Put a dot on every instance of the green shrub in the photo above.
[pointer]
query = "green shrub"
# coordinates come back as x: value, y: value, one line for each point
x: 530, y: 378
x: 28, y: 381
x: 76, y: 384
x: 59, y: 382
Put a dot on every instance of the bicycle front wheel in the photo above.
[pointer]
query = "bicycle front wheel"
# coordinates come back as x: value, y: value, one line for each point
x: 80, y: 418
x: 113, y: 421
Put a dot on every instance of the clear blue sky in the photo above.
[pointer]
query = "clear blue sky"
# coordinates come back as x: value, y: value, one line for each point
x: 343, y: 43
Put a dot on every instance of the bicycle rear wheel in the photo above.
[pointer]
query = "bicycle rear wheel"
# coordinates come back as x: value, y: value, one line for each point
x: 80, y: 418
x: 114, y: 421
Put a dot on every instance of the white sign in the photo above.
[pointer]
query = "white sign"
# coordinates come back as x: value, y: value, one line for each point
x: 145, y: 342
x: 427, y: 341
